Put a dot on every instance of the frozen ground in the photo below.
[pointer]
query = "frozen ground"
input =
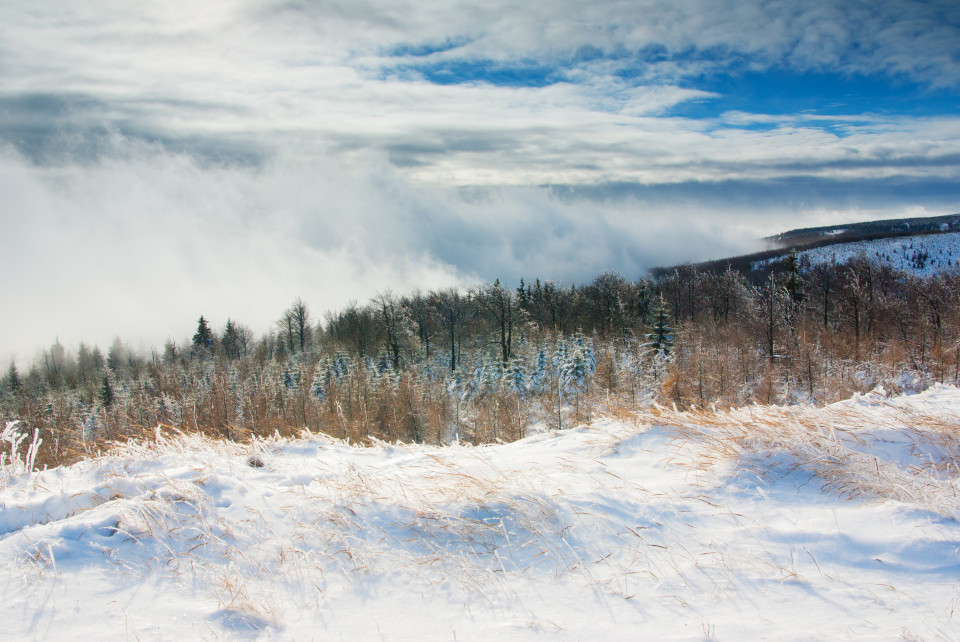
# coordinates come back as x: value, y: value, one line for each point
x: 765, y: 523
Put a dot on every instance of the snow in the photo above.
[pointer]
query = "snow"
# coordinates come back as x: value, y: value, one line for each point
x: 762, y: 522
x: 923, y: 254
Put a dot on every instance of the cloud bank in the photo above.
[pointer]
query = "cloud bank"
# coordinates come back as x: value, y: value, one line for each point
x: 141, y: 242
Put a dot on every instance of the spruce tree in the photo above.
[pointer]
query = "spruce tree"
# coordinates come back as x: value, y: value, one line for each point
x: 794, y: 280
x: 341, y: 366
x: 586, y: 349
x: 230, y: 341
x: 539, y: 377
x: 203, y: 338
x: 115, y: 355
x: 321, y: 381
x: 13, y: 378
x: 106, y: 392
x: 660, y: 337
x: 517, y: 377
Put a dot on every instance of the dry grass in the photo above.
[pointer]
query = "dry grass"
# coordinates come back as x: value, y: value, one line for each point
x: 841, y: 446
x: 460, y: 519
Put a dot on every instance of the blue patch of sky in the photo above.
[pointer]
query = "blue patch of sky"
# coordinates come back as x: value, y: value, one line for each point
x: 456, y: 71
x: 422, y: 50
x: 493, y: 72
x: 779, y: 91
x: 504, y: 73
x: 776, y: 91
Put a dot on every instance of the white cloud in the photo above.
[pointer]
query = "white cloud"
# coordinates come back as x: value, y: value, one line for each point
x: 142, y: 244
x: 308, y: 79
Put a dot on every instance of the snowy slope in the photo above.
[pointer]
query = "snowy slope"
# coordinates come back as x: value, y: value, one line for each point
x: 769, y: 523
x: 921, y: 254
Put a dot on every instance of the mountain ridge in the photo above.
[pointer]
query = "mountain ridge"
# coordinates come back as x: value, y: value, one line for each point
x: 801, y: 239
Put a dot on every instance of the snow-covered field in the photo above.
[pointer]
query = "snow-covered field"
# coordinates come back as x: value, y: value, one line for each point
x: 922, y: 254
x: 776, y: 523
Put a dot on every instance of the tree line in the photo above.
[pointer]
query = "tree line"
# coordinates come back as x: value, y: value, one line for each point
x: 493, y: 362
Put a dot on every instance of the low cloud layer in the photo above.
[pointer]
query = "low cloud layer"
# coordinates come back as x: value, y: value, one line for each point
x: 141, y: 242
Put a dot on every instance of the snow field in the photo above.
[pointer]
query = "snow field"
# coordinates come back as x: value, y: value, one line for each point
x: 777, y: 523
x: 922, y: 255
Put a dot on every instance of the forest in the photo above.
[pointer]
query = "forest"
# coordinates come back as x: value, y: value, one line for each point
x: 495, y: 363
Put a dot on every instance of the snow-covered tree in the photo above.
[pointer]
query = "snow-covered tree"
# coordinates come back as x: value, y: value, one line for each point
x: 341, y: 366
x: 517, y: 377
x: 660, y: 337
x: 321, y: 381
x: 538, y: 379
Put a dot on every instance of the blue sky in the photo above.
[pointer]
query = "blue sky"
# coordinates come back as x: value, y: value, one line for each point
x: 239, y: 154
x: 785, y: 92
x: 776, y: 90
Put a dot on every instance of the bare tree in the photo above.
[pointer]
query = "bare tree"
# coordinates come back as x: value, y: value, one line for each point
x: 421, y: 311
x: 451, y: 312
x: 296, y: 325
x: 500, y: 305
x: 393, y: 322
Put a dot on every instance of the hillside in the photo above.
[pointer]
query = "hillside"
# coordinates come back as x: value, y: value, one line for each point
x: 770, y: 522
x: 870, y: 229
x: 918, y: 245
x: 922, y: 255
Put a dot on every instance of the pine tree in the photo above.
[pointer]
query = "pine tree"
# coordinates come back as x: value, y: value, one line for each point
x: 575, y: 370
x: 586, y: 348
x: 560, y: 353
x: 794, y: 281
x: 659, y: 340
x: 13, y: 378
x: 539, y: 376
x: 97, y: 359
x: 523, y: 296
x: 291, y: 380
x: 517, y: 377
x: 341, y: 367
x: 116, y: 355
x: 660, y: 337
x: 230, y: 341
x: 106, y: 392
x: 203, y: 338
x: 321, y: 381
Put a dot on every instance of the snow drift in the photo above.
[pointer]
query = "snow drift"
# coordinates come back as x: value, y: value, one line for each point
x: 782, y: 523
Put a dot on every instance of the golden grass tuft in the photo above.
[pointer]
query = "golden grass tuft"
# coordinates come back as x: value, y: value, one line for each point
x: 836, y: 444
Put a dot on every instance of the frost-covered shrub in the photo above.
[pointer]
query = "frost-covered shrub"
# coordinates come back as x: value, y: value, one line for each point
x: 12, y: 463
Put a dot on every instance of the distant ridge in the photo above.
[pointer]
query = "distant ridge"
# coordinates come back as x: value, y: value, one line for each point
x: 814, y: 237
x: 806, y: 236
